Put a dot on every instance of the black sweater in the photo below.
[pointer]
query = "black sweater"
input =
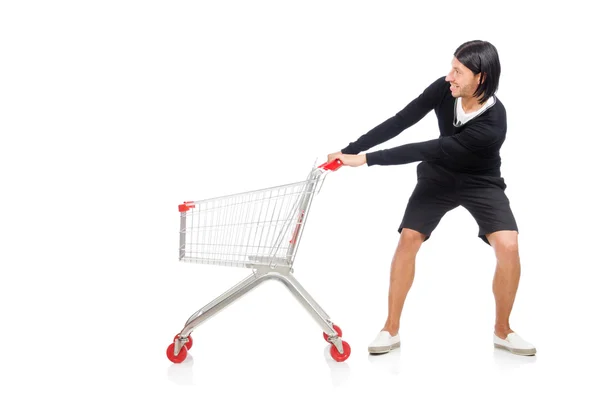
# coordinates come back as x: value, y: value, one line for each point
x: 472, y: 148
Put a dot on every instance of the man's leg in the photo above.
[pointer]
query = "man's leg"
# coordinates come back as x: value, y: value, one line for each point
x: 485, y: 199
x: 506, y: 277
x: 506, y: 282
x: 433, y: 197
x: 402, y: 275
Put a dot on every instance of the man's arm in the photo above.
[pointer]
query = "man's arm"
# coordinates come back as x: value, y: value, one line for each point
x: 411, y: 114
x: 473, y: 139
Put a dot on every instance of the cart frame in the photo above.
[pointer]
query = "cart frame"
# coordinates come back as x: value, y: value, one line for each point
x: 273, y: 266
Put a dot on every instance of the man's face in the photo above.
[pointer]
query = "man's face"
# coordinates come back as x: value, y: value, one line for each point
x: 463, y: 82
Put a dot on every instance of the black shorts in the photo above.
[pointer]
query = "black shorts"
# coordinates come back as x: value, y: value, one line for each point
x: 439, y: 190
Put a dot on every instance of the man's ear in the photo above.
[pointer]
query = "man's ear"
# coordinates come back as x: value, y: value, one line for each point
x: 482, y: 77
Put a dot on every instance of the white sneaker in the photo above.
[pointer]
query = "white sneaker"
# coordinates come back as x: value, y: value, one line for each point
x: 515, y: 344
x: 384, y: 342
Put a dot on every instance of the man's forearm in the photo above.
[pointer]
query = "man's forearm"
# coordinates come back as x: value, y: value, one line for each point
x: 409, y: 153
x: 383, y: 132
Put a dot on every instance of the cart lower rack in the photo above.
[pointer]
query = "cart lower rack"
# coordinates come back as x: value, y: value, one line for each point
x: 259, y: 230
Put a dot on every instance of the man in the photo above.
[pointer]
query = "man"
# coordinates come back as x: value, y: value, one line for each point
x: 461, y: 167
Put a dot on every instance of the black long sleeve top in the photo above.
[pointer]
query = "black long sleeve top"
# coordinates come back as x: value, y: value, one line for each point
x: 472, y: 148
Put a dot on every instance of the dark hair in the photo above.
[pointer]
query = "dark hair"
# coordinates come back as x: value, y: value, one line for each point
x: 481, y: 57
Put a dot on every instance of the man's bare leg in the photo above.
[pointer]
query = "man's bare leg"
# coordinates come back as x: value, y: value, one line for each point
x: 505, y: 285
x: 506, y: 277
x: 402, y: 275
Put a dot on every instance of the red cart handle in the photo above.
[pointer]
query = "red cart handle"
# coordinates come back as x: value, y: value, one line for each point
x: 332, y: 165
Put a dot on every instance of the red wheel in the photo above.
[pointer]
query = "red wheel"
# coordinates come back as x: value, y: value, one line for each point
x: 188, y: 344
x: 340, y: 357
x: 180, y: 357
x: 337, y: 329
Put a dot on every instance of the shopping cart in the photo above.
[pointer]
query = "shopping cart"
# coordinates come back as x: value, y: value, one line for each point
x: 260, y: 230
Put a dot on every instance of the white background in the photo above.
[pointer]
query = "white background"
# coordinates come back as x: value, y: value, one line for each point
x: 112, y: 113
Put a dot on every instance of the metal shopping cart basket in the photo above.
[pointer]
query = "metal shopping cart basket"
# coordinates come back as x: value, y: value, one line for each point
x: 259, y: 230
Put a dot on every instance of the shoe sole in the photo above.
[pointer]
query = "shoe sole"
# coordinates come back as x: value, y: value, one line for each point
x: 521, y: 352
x: 383, y: 349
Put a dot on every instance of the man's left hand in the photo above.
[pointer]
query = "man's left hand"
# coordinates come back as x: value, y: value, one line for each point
x: 352, y: 160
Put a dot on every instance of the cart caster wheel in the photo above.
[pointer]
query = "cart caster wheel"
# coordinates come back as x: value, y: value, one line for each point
x: 337, y: 329
x: 182, y: 353
x: 188, y: 344
x: 340, y: 357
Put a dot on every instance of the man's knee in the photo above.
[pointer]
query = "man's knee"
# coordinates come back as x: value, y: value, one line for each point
x: 411, y: 239
x: 505, y: 243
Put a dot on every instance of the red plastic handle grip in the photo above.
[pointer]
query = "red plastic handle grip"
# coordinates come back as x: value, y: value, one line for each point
x: 186, y: 206
x: 332, y: 165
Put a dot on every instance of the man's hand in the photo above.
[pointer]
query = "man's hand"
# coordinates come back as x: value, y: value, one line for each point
x: 351, y: 160
x: 333, y: 156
